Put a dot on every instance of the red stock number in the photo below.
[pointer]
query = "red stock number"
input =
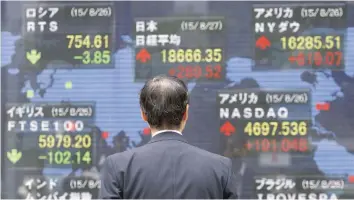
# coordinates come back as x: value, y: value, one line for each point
x: 317, y: 58
x: 190, y: 72
x: 283, y: 145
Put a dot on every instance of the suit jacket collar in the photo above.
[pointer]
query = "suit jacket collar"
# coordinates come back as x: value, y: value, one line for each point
x: 167, y: 135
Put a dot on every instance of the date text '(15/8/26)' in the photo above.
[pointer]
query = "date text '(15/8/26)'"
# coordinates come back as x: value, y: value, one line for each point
x: 67, y: 157
x: 66, y: 141
x: 211, y: 72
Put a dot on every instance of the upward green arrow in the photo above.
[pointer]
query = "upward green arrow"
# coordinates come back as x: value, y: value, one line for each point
x: 33, y: 56
x: 14, y: 155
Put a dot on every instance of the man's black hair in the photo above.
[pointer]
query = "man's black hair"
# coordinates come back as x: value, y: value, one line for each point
x: 164, y: 99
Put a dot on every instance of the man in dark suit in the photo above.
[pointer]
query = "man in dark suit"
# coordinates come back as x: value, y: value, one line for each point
x: 167, y: 167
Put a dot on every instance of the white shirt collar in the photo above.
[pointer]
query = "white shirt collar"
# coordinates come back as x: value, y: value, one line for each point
x: 158, y: 132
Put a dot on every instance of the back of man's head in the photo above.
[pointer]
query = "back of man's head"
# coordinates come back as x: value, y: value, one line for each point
x: 164, y: 103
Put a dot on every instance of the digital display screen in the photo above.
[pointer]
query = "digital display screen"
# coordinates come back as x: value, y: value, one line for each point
x: 270, y: 87
x: 63, y: 132
x: 282, y: 35
x: 83, y: 34
x: 270, y: 121
x: 163, y: 46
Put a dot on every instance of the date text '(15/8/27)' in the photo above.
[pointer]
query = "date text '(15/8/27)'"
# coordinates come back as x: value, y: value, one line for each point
x: 67, y: 157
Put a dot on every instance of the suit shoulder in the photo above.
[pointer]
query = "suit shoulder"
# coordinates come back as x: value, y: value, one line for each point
x: 213, y: 156
x: 120, y: 157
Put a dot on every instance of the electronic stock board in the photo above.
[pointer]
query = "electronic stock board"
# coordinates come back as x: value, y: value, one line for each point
x: 53, y: 149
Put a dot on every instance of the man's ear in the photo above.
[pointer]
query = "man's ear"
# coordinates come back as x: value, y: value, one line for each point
x: 143, y: 116
x: 185, y: 116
